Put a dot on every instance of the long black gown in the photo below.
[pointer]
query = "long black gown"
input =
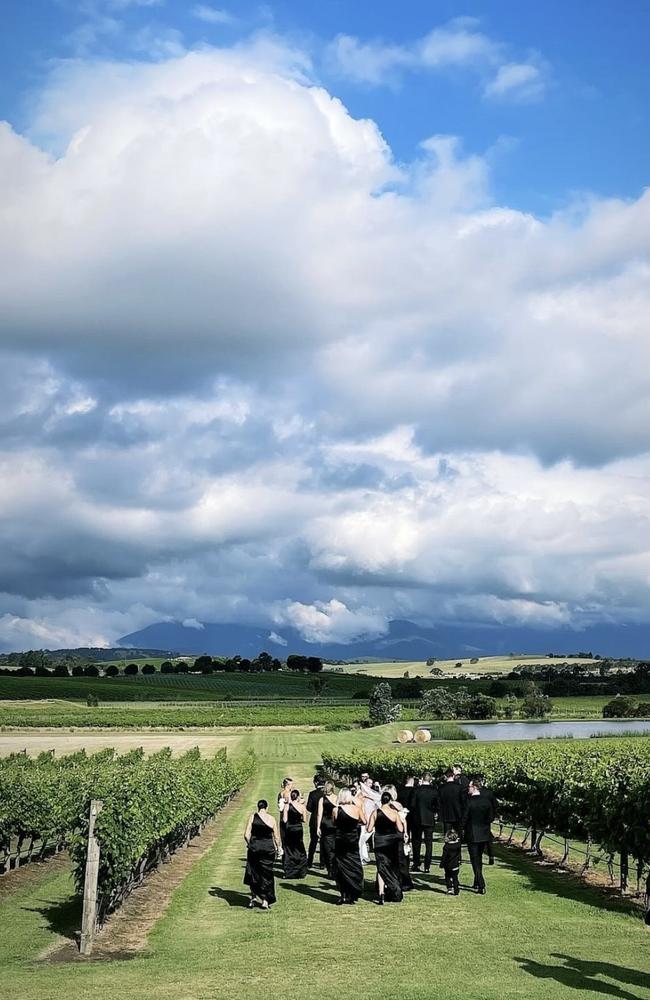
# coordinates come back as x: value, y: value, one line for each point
x: 387, y: 857
x: 349, y: 872
x: 327, y: 837
x: 259, y: 861
x: 295, y: 856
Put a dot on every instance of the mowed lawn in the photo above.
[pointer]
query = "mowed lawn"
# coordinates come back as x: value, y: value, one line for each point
x: 534, y: 935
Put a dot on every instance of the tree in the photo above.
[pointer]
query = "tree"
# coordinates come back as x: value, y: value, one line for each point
x: 474, y: 659
x: 91, y: 670
x: 406, y: 674
x: 265, y: 661
x: 33, y: 658
x: 381, y: 708
x: 535, y: 704
x: 42, y: 672
x: 314, y: 664
x: 148, y: 669
x: 438, y: 703
x: 620, y: 707
x: 498, y: 689
x: 201, y: 662
x: 482, y: 707
x: 61, y: 670
x: 92, y: 701
x: 431, y: 661
x: 509, y: 707
x: 131, y: 669
x: 112, y: 670
x: 296, y: 662
x: 318, y: 685
x: 459, y: 664
x: 181, y: 667
x: 78, y: 670
x: 167, y: 667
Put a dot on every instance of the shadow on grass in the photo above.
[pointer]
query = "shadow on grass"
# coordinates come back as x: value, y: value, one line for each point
x: 63, y: 917
x: 309, y: 890
x: 231, y: 896
x: 580, y: 975
x: 546, y: 878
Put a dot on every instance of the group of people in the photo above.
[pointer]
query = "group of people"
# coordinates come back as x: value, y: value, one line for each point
x: 396, y: 823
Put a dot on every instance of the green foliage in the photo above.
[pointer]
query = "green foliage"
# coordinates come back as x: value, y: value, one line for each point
x: 535, y: 704
x: 598, y: 790
x: 381, y: 708
x: 443, y: 703
x: 623, y: 706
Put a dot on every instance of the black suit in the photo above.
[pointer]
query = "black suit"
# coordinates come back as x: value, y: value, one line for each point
x: 450, y: 806
x: 424, y: 806
x: 489, y: 794
x: 463, y: 781
x: 477, y: 819
x: 313, y: 800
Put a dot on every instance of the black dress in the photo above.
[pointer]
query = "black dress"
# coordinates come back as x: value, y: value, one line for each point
x: 295, y: 856
x: 327, y: 837
x: 349, y: 872
x: 387, y: 856
x: 259, y: 861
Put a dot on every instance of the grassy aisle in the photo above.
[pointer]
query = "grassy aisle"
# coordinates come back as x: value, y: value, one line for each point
x: 532, y: 936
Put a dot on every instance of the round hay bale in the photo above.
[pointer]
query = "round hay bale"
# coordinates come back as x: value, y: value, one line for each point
x: 405, y: 736
x: 422, y: 736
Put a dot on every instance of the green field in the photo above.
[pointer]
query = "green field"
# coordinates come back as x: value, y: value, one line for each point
x: 536, y: 935
x: 485, y: 665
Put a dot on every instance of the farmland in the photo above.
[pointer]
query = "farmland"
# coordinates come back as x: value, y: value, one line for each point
x: 485, y: 665
x: 541, y: 934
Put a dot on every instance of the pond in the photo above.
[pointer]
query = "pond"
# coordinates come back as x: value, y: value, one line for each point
x: 534, y: 730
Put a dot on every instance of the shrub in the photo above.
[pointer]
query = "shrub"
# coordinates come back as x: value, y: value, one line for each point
x: 620, y: 707
x: 535, y: 704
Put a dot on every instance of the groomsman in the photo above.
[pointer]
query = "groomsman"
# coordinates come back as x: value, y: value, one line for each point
x: 461, y: 779
x: 477, y: 820
x: 425, y: 803
x: 489, y: 794
x: 450, y: 803
x: 313, y: 799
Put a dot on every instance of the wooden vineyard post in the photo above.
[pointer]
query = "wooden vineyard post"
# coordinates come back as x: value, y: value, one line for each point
x: 89, y: 916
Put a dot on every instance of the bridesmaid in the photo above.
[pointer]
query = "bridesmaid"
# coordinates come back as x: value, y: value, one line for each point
x: 295, y: 856
x: 404, y: 844
x: 327, y: 827
x: 349, y: 873
x: 388, y: 828
x: 261, y: 836
x: 283, y: 799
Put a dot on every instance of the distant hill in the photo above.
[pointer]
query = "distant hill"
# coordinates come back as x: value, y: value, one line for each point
x: 404, y: 641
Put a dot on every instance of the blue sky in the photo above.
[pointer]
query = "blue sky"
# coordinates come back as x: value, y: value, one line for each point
x: 315, y: 315
x: 589, y: 131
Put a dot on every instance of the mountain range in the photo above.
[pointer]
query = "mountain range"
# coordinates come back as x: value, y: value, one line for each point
x: 404, y: 640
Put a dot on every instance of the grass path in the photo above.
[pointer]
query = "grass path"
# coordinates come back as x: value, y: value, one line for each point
x: 535, y: 936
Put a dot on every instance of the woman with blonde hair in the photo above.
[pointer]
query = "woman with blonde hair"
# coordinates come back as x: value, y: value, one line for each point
x: 349, y: 872
x: 327, y: 827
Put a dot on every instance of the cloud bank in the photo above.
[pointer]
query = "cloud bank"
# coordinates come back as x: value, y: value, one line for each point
x: 254, y: 369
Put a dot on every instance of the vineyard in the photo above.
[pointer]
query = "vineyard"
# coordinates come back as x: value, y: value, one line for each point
x: 598, y: 794
x: 150, y: 807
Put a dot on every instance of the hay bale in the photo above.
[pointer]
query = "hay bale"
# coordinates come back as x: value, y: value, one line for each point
x: 422, y: 736
x: 405, y: 736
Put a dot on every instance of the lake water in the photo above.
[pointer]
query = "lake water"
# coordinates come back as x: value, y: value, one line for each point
x: 533, y: 730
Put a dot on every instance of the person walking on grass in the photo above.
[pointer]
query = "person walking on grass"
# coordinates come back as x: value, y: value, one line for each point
x: 284, y: 797
x: 263, y: 845
x: 492, y: 799
x: 327, y: 828
x: 348, y: 869
x: 477, y: 822
x: 450, y: 804
x: 387, y: 825
x: 425, y: 803
x: 313, y: 802
x: 451, y: 861
x: 295, y: 856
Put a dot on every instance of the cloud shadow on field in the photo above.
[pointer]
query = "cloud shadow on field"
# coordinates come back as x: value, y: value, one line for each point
x: 580, y: 975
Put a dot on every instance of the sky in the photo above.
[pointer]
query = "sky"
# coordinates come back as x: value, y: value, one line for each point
x: 323, y: 314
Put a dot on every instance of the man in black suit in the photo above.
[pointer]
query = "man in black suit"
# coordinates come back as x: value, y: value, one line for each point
x: 477, y: 820
x: 450, y: 803
x: 313, y: 799
x: 489, y: 794
x: 425, y: 803
x: 460, y: 778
